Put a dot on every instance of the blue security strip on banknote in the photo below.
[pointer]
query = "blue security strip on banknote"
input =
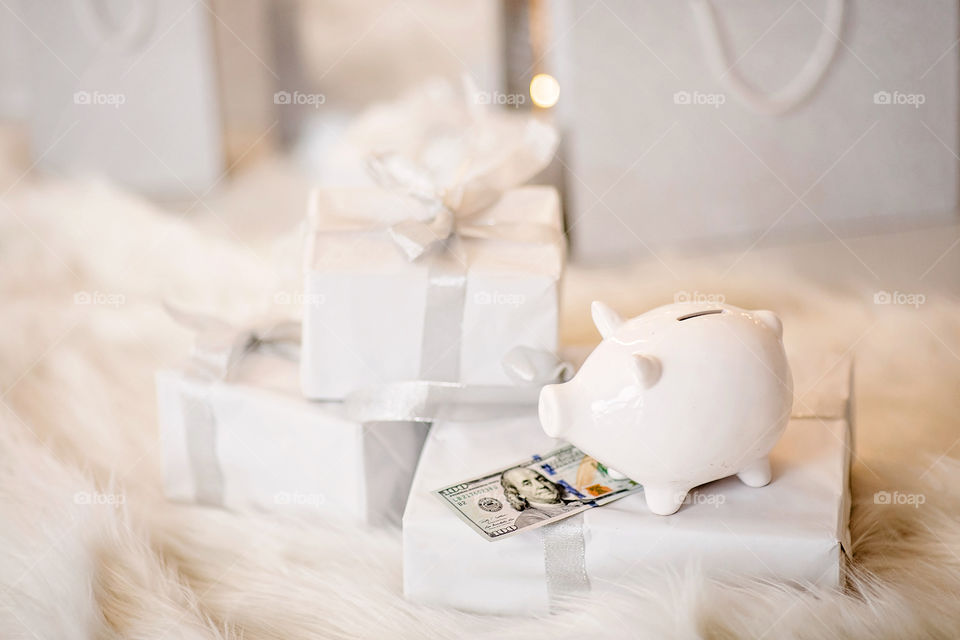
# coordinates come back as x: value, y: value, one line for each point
x: 536, y: 491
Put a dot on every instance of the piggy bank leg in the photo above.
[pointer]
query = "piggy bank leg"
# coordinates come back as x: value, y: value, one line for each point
x: 664, y: 500
x: 757, y: 473
x: 616, y: 475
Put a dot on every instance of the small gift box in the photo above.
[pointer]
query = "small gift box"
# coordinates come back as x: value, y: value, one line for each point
x: 441, y: 267
x: 794, y: 530
x: 244, y: 439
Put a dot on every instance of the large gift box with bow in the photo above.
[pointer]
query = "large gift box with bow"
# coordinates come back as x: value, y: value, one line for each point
x: 440, y: 267
x: 794, y: 530
x: 237, y: 434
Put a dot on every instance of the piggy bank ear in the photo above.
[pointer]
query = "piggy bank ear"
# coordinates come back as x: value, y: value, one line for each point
x: 648, y: 369
x: 770, y: 319
x: 606, y: 319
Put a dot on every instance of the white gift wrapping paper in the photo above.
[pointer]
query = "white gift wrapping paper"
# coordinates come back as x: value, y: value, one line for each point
x: 366, y: 304
x: 274, y: 451
x: 794, y: 530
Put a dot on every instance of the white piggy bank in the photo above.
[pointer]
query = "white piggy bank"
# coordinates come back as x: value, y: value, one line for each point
x: 679, y: 396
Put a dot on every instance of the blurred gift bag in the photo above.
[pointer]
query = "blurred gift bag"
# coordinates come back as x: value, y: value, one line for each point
x: 699, y: 121
x: 147, y: 93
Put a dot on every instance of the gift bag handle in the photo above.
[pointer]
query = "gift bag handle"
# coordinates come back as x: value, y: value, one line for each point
x: 130, y: 35
x: 800, y: 87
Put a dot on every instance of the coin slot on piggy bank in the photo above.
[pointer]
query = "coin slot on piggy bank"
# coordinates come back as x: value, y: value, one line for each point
x: 697, y: 314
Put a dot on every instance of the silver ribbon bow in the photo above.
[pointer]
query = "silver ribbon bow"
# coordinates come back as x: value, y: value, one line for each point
x: 461, y: 158
x: 444, y: 212
x: 464, y: 159
x: 220, y: 346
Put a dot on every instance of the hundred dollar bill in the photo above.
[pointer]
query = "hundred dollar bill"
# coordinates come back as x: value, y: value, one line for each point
x: 534, y: 492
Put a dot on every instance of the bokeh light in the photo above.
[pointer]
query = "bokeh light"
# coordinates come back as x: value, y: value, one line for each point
x: 544, y: 90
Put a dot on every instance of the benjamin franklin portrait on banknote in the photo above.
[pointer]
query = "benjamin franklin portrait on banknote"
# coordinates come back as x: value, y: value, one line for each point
x: 540, y: 490
x: 536, y: 497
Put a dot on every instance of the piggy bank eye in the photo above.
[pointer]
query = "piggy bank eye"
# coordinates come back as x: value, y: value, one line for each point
x: 648, y: 369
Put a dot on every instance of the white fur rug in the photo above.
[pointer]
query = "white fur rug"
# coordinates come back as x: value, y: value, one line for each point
x: 89, y: 547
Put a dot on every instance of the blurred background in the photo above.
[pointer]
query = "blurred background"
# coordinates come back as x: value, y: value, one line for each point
x: 793, y: 155
x: 821, y: 131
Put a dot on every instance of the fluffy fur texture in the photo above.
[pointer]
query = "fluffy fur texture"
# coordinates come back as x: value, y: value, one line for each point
x: 79, y: 436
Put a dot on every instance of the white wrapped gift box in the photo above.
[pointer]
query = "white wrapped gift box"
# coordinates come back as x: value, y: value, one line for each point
x: 794, y: 530
x: 253, y: 444
x: 373, y: 316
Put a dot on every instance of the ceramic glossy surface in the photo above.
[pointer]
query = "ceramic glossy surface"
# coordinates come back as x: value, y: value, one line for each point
x: 677, y: 397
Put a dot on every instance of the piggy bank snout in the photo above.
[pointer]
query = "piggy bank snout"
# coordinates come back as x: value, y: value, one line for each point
x: 550, y: 410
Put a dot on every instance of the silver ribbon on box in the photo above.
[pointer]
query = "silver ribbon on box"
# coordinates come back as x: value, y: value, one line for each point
x: 565, y: 558
x: 464, y: 159
x: 218, y: 350
x: 220, y: 347
x: 430, y: 400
